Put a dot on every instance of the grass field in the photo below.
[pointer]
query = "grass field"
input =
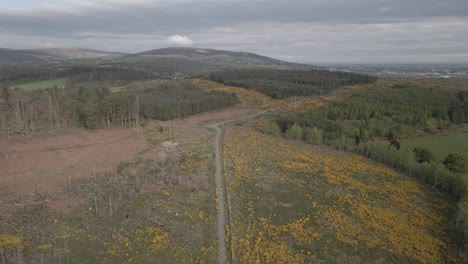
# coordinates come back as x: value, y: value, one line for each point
x: 442, y: 144
x: 294, y: 203
x: 42, y: 84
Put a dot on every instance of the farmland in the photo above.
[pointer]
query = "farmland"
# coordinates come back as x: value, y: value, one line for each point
x: 42, y: 84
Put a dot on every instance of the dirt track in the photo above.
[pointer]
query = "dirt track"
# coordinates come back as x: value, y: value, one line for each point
x: 222, y: 256
x: 220, y: 191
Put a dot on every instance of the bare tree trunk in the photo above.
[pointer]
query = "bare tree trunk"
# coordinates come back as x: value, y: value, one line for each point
x: 25, y: 112
x: 51, y: 112
x: 110, y: 206
x: 121, y: 116
x: 95, y: 204
x: 22, y: 117
x: 19, y: 122
x: 4, y: 125
x: 129, y: 117
x: 19, y: 249
x: 36, y: 113
x: 70, y: 187
x: 137, y: 184
x: 137, y: 113
x: 57, y: 110
x: 111, y: 113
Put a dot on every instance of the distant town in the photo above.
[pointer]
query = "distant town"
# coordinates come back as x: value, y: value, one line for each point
x: 407, y: 71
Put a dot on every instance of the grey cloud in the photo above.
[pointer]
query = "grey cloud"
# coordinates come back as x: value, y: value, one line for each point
x: 309, y: 42
x: 168, y: 16
x: 301, y: 30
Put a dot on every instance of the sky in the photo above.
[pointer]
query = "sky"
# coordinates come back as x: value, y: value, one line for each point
x: 306, y: 31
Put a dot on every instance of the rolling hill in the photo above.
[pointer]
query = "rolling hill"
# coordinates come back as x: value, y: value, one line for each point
x: 166, y: 61
x: 207, y: 59
x: 211, y: 55
x: 14, y: 56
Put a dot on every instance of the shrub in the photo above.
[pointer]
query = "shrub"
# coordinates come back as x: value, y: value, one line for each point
x: 423, y: 155
x: 313, y: 135
x: 271, y: 128
x: 455, y: 162
x: 294, y: 132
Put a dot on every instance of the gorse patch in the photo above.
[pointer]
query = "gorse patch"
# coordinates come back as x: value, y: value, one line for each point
x: 293, y: 203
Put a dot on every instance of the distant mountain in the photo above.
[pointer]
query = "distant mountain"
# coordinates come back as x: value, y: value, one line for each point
x: 13, y: 56
x: 209, y: 58
x: 165, y: 63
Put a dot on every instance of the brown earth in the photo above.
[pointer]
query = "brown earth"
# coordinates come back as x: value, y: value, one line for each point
x: 35, y: 169
x: 38, y: 167
x: 216, y: 116
x: 43, y: 157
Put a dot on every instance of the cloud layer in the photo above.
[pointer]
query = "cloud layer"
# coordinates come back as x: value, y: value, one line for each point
x: 314, y: 31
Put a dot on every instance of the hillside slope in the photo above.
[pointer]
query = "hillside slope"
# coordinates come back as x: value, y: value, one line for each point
x: 295, y: 203
x: 209, y: 59
x: 14, y: 56
x: 167, y: 62
x: 211, y: 55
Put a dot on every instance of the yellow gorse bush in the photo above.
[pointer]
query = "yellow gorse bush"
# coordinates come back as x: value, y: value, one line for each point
x: 10, y: 241
x: 246, y: 96
x: 360, y: 205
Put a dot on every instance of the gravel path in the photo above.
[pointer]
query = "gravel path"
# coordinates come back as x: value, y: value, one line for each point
x: 220, y: 190
x: 222, y: 256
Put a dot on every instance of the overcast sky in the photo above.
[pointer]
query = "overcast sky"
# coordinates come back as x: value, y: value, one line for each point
x: 310, y: 31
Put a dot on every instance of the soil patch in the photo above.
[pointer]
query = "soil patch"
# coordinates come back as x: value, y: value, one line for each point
x: 42, y: 164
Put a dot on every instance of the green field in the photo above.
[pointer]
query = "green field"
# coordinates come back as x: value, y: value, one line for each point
x: 42, y: 84
x: 442, y: 144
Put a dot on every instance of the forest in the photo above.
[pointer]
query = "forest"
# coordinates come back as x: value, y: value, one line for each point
x: 87, y: 101
x: 370, y: 122
x: 12, y: 75
x: 399, y: 112
x: 280, y: 84
x: 23, y: 112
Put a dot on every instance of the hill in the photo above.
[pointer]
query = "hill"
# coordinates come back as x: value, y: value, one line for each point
x: 167, y: 63
x: 210, y: 59
x: 211, y: 55
x: 14, y: 56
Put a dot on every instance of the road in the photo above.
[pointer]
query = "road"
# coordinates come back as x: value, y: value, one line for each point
x: 222, y: 256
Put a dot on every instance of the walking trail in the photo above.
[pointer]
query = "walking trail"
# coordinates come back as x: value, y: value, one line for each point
x: 222, y: 256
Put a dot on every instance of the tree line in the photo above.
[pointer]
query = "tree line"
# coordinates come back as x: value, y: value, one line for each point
x: 391, y: 113
x: 108, y: 73
x: 280, y: 84
x: 12, y: 75
x: 23, y: 112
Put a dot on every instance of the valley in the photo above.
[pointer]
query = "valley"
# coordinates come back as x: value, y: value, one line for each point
x: 266, y: 165
x: 233, y: 132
